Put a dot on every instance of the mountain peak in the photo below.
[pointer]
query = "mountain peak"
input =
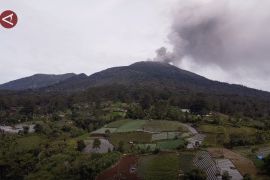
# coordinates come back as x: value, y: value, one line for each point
x: 35, y: 81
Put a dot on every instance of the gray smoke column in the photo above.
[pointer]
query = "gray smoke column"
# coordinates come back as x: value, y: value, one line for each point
x: 231, y: 34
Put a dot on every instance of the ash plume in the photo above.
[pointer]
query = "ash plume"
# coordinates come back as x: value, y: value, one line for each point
x: 226, y: 33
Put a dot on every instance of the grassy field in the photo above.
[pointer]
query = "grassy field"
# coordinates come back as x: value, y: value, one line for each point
x: 186, y: 161
x: 145, y: 146
x: 213, y: 129
x: 117, y: 124
x: 165, y: 135
x: 136, y: 137
x: 170, y: 144
x: 131, y: 125
x: 215, y: 133
x: 29, y: 142
x: 103, y: 130
x: 127, y: 125
x: 159, y: 126
x: 163, y: 166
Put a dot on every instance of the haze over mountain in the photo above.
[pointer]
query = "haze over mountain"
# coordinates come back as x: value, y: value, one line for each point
x: 35, y: 82
x: 146, y: 74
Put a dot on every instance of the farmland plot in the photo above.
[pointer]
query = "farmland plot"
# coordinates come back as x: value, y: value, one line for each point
x: 130, y: 126
x: 159, y: 126
x: 163, y: 166
x: 165, y: 135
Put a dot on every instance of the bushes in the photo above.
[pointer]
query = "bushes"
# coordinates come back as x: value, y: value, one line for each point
x: 195, y: 174
x: 80, y: 145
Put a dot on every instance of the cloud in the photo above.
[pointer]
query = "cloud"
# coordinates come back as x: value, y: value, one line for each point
x: 80, y: 36
x: 229, y: 34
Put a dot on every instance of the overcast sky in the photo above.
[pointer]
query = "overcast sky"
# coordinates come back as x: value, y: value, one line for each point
x: 86, y: 36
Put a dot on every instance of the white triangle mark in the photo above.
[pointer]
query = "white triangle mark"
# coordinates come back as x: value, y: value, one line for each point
x: 8, y: 19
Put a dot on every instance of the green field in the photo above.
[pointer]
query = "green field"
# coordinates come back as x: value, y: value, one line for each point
x: 159, y: 126
x: 28, y: 143
x: 130, y: 126
x: 127, y: 125
x: 163, y: 166
x: 170, y: 144
x: 165, y: 135
x: 103, y: 130
x: 117, y: 124
x: 151, y: 147
x: 136, y: 137
x: 212, y: 129
x: 186, y: 161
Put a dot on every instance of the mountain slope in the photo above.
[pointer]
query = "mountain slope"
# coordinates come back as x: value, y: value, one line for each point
x: 35, y: 82
x: 157, y: 75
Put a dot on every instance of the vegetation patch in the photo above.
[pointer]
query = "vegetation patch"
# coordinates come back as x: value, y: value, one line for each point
x: 164, y: 166
x: 117, y: 124
x: 146, y: 146
x: 171, y: 144
x: 28, y: 143
x: 128, y: 138
x: 165, y: 135
x: 130, y: 126
x: 104, y: 131
x: 186, y: 161
x: 159, y: 126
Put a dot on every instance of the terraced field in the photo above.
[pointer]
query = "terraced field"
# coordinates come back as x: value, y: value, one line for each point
x: 165, y: 135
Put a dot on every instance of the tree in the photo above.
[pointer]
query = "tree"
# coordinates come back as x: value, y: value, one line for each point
x: 80, y: 145
x: 135, y: 111
x: 96, y: 144
x: 195, y: 174
x: 200, y: 106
